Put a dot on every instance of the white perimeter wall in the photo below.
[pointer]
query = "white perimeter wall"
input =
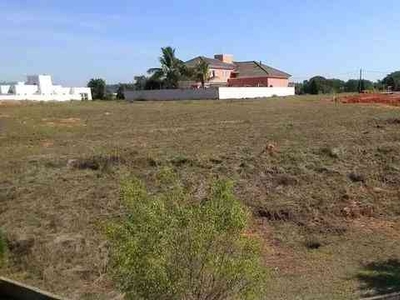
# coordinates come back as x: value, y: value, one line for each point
x: 188, y: 94
x: 24, y: 90
x: 211, y: 93
x: 254, y: 92
x: 41, y: 97
x: 77, y: 91
x: 62, y: 94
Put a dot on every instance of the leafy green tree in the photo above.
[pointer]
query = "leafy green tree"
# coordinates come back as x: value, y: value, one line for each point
x: 304, y: 88
x: 369, y: 85
x: 317, y: 85
x: 169, y: 247
x: 98, y: 87
x: 351, y: 86
x: 120, y: 92
x: 202, y: 72
x: 154, y: 84
x: 298, y: 88
x: 391, y: 83
x: 148, y: 83
x: 361, y: 86
x: 171, y: 71
x: 393, y: 80
x: 335, y: 85
x: 140, y: 82
x: 379, y: 85
x: 321, y: 85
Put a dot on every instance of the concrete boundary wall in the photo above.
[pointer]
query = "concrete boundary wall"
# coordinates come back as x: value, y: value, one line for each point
x: 254, y: 92
x: 210, y: 94
x: 189, y: 94
x: 40, y: 97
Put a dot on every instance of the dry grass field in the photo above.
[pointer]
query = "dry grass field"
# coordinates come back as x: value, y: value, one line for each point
x: 322, y: 179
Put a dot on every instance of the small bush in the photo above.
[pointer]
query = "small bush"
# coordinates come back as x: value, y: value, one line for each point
x: 331, y: 152
x: 169, y: 248
x: 180, y: 160
x: 96, y: 162
x: 356, y: 177
x: 312, y: 243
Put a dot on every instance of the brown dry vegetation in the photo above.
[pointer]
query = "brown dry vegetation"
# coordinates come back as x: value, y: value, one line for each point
x: 321, y: 178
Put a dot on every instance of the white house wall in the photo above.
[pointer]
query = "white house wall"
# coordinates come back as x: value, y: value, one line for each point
x: 59, y: 90
x: 254, y: 92
x: 25, y: 90
x: 40, y: 97
x: 45, y: 85
x: 211, y: 93
x: 77, y: 91
x: 71, y: 94
x: 4, y: 89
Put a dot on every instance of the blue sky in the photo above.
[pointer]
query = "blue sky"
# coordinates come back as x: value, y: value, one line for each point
x: 116, y: 40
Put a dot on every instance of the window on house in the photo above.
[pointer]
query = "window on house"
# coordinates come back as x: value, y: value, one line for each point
x: 213, y: 73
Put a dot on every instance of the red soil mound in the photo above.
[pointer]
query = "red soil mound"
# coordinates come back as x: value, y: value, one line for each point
x: 389, y: 99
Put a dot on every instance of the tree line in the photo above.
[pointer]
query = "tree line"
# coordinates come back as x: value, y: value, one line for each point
x: 321, y: 85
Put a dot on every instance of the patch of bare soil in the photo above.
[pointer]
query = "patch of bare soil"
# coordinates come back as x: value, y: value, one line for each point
x: 378, y: 226
x: 10, y: 103
x: 67, y: 122
x: 277, y: 256
x: 47, y: 144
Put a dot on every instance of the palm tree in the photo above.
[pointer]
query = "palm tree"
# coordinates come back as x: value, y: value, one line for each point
x: 202, y: 72
x: 171, y: 70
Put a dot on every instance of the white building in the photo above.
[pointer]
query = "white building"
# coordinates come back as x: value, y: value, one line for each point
x: 41, y: 88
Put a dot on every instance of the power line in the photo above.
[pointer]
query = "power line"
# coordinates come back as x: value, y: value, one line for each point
x: 327, y: 75
x: 332, y: 76
x: 380, y: 72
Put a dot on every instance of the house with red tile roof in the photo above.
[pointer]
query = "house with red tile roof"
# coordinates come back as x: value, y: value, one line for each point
x: 224, y: 71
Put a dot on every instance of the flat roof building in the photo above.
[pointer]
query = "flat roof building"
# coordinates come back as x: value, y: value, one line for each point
x: 41, y: 88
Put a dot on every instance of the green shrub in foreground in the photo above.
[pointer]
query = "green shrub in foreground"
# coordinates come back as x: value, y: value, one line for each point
x: 170, y: 248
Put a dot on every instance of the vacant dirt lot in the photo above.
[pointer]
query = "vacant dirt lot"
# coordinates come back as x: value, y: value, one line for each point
x: 323, y: 181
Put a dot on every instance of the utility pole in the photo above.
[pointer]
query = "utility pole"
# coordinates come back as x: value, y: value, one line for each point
x: 360, y: 84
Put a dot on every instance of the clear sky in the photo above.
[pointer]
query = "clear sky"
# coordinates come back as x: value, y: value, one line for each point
x: 75, y: 40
